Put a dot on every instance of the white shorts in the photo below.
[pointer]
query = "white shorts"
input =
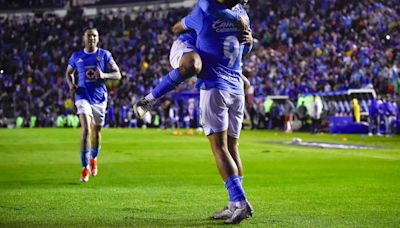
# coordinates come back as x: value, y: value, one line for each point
x: 96, y: 111
x: 177, y: 50
x: 220, y: 111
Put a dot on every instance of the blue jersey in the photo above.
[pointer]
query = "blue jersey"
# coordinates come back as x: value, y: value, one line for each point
x: 89, y: 88
x: 188, y: 37
x: 209, y: 7
x: 219, y: 48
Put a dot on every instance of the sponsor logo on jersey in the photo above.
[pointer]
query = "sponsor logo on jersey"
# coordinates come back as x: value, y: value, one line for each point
x: 90, y: 73
x: 224, y: 26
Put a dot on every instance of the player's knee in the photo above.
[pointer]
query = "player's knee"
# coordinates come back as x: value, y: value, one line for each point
x: 221, y: 150
x: 96, y: 129
x: 233, y: 149
x: 85, y: 132
x: 190, y: 65
x: 196, y: 65
x: 97, y: 135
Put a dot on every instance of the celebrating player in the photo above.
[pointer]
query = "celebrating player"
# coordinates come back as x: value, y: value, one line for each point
x: 221, y: 48
x: 184, y: 58
x: 94, y: 66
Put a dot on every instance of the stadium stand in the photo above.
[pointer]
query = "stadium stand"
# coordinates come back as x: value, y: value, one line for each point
x: 302, y: 47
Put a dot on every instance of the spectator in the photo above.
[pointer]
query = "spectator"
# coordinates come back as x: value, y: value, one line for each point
x: 289, y: 111
x: 303, y: 115
x: 303, y: 46
x: 316, y: 111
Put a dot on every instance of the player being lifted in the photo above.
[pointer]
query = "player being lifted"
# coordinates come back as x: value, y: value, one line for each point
x: 94, y: 66
x: 184, y: 58
x: 221, y: 45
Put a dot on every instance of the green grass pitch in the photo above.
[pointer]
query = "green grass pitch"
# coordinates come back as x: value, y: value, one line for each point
x: 152, y: 178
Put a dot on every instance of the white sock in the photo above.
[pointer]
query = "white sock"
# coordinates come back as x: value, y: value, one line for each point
x: 232, y: 206
x: 149, y: 97
x: 240, y: 204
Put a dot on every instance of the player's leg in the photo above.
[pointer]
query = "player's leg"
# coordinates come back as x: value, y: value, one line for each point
x: 99, y: 112
x: 224, y: 161
x: 370, y: 125
x: 238, y: 208
x: 214, y: 110
x: 189, y: 66
x: 243, y: 208
x: 85, y: 146
x: 85, y: 117
x: 227, y: 211
x: 186, y: 63
x: 235, y: 114
x: 289, y: 124
x: 96, y: 140
x: 233, y: 147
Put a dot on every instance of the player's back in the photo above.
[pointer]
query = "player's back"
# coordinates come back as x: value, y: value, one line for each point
x: 219, y: 47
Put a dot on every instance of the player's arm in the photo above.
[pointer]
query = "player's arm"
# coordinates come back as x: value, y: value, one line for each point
x: 246, y: 38
x: 69, y: 76
x: 114, y: 74
x: 192, y: 21
x: 246, y: 83
x: 248, y: 44
x: 178, y: 28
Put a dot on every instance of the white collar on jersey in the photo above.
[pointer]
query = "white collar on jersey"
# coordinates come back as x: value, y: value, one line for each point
x: 86, y: 52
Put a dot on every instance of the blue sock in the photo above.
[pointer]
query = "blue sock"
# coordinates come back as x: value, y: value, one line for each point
x: 95, y: 152
x: 168, y: 83
x: 235, y: 189
x: 241, y: 182
x: 85, y: 158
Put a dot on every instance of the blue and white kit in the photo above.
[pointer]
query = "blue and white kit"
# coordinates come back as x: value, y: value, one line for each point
x: 91, y: 95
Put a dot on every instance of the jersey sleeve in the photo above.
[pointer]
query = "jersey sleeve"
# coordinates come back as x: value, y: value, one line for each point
x: 72, y: 61
x: 218, y: 11
x: 194, y: 20
x: 108, y: 57
x: 108, y: 61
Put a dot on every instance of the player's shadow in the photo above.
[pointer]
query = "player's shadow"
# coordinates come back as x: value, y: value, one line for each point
x: 173, y: 222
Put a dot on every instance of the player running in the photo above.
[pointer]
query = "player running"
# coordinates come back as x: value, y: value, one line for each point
x: 184, y: 58
x: 90, y: 91
x: 221, y: 48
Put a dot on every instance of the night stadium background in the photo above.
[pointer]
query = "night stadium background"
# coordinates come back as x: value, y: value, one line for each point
x: 158, y: 171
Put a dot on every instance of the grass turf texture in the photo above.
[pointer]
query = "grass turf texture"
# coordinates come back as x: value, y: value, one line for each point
x: 154, y: 178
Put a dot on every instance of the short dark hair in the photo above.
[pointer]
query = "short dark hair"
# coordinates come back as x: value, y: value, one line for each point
x: 89, y: 28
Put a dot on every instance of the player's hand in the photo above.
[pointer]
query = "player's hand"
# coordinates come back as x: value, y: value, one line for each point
x: 242, y: 25
x: 246, y: 37
x: 100, y: 74
x: 72, y: 89
x: 178, y: 28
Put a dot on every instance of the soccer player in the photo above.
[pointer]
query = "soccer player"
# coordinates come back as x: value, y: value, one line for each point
x: 184, y: 58
x: 93, y: 66
x: 221, y: 47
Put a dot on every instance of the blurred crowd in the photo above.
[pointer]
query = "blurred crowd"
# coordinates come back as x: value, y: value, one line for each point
x: 301, y: 47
